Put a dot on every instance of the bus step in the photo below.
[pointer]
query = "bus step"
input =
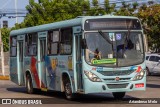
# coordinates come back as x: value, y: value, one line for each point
x: 44, y: 89
x: 80, y: 91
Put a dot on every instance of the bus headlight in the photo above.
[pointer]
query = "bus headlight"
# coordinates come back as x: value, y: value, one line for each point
x: 92, y: 76
x: 139, y: 75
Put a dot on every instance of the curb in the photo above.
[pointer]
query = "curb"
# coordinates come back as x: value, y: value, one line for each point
x: 4, y: 77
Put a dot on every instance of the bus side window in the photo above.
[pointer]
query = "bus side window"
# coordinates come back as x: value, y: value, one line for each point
x: 31, y: 44
x: 66, y: 41
x: 53, y: 42
x: 13, y: 46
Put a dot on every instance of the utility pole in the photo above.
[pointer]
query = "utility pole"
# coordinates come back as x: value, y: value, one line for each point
x: 2, y: 54
x: 16, y: 10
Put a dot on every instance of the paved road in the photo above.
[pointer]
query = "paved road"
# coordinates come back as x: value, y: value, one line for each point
x: 11, y: 90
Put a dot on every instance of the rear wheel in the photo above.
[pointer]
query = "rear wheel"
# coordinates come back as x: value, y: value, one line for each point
x: 29, y: 85
x: 68, y: 89
x: 118, y: 95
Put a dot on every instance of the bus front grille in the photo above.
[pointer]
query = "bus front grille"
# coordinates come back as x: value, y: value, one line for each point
x: 114, y: 86
x: 116, y: 73
x: 120, y: 79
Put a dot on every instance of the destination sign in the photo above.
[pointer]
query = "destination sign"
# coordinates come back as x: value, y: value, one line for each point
x: 112, y: 24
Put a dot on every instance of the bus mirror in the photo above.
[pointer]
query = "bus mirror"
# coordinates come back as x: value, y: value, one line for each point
x: 83, y: 43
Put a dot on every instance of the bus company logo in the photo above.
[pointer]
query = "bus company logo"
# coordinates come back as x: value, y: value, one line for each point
x: 117, y: 78
x: 6, y: 101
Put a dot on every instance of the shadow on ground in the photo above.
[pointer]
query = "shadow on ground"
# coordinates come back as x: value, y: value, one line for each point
x: 153, y: 85
x: 59, y: 97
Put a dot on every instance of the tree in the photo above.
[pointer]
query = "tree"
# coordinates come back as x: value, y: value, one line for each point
x: 47, y: 11
x: 127, y: 9
x: 150, y: 17
x: 109, y: 8
x: 95, y: 9
x: 5, y: 38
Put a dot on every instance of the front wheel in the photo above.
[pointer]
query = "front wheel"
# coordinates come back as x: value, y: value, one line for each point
x: 68, y: 90
x: 118, y: 95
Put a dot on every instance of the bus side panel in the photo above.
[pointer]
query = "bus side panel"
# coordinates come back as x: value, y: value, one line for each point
x: 56, y: 66
x: 52, y: 73
x: 13, y: 70
x: 65, y: 66
x: 51, y: 65
x: 31, y: 64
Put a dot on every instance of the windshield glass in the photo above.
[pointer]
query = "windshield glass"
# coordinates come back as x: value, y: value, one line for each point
x: 114, y: 49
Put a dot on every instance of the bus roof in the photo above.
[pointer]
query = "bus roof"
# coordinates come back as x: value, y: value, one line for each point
x: 62, y: 24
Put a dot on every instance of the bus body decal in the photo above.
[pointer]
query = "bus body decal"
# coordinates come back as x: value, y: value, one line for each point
x: 51, y: 72
x: 35, y: 73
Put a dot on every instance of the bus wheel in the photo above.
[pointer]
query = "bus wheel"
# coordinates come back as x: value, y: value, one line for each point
x: 68, y: 89
x: 29, y: 85
x: 118, y: 95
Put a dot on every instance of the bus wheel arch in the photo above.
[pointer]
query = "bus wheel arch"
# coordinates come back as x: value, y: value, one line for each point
x: 67, y: 86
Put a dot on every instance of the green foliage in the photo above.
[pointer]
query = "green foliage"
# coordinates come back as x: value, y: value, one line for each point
x: 47, y: 11
x: 95, y: 2
x: 127, y: 9
x: 150, y: 17
x: 5, y: 38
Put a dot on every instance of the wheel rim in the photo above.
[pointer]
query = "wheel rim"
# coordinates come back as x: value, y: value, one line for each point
x: 28, y: 86
x: 68, y: 91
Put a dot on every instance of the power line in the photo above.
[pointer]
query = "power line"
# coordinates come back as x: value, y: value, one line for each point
x: 5, y: 12
x: 128, y: 2
x: 10, y: 12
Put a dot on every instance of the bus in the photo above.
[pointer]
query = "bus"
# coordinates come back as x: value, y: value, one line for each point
x: 87, y: 54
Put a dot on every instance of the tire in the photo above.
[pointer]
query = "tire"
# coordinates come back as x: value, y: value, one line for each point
x: 68, y: 89
x: 29, y: 85
x: 148, y: 72
x: 118, y: 95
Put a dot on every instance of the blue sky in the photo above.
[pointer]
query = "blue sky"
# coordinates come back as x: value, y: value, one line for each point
x: 9, y: 5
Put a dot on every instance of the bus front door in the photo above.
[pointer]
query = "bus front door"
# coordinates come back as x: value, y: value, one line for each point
x: 41, y: 62
x: 79, y: 63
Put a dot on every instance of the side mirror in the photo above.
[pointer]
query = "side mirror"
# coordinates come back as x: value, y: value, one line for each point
x: 83, y: 44
x: 159, y: 61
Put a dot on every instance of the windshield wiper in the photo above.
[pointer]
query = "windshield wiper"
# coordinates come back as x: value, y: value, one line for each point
x: 106, y: 38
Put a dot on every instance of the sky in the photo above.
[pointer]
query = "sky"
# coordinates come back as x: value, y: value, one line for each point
x: 9, y: 6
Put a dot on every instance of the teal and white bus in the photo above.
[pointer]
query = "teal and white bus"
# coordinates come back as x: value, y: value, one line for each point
x: 88, y: 54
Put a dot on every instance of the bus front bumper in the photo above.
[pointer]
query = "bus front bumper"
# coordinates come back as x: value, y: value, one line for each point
x: 104, y: 87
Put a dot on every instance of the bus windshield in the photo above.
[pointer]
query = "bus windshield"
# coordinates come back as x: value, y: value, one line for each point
x: 114, y: 49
